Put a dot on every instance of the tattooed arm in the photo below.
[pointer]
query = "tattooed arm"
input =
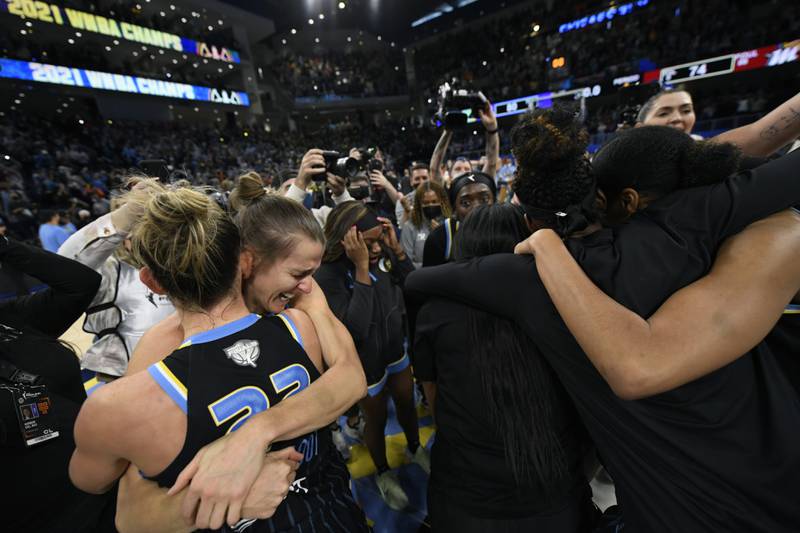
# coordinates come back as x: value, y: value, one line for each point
x: 768, y: 134
x: 438, y: 155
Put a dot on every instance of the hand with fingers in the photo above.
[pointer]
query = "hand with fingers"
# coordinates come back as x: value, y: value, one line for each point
x: 538, y: 242
x: 356, y: 248
x: 488, y: 118
x: 377, y: 179
x: 219, y: 478
x: 272, y: 484
x: 389, y: 238
x: 337, y: 184
x: 313, y: 164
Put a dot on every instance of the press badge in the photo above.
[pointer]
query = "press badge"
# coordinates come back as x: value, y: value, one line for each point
x: 34, y: 413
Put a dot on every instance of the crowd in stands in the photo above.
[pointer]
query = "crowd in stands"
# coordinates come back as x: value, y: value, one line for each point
x: 505, y: 53
x: 352, y: 73
x: 66, y: 166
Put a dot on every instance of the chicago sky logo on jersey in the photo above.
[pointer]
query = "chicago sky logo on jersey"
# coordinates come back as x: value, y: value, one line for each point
x: 244, y: 352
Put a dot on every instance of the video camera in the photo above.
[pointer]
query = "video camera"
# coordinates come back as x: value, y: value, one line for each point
x: 453, y: 102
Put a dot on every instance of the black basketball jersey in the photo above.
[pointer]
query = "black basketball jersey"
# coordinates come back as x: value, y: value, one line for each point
x: 221, y: 377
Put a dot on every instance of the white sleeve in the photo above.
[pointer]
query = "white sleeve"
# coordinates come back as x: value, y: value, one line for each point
x: 296, y: 193
x: 94, y: 243
x: 345, y: 197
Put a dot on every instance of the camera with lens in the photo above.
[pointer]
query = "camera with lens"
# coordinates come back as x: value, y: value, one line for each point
x: 335, y: 163
x: 456, y: 105
x: 346, y: 166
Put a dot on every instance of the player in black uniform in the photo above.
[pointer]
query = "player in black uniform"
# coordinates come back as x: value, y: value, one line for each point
x: 234, y: 364
x: 466, y: 192
x: 509, y: 446
x: 717, y: 454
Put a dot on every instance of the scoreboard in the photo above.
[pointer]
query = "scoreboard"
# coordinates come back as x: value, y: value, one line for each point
x: 767, y: 56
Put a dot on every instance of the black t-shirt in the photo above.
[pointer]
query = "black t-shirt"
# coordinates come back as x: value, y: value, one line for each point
x: 721, y: 453
x: 39, y: 495
x: 468, y: 459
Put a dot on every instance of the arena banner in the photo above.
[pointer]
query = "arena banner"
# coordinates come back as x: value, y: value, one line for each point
x: 83, y: 21
x: 91, y: 79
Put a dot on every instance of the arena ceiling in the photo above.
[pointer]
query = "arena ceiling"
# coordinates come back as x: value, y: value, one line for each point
x: 392, y: 18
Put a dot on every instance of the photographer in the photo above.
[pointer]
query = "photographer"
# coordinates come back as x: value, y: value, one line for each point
x: 30, y: 327
x: 489, y: 121
x: 312, y: 168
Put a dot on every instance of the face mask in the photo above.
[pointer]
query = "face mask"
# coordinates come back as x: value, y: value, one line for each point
x: 359, y: 193
x: 432, y: 212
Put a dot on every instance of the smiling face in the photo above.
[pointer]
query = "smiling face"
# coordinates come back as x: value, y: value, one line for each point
x: 271, y: 285
x: 675, y: 110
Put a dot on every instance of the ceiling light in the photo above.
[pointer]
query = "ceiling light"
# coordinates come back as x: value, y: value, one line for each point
x: 342, y: 5
x: 321, y: 16
x: 311, y: 21
x: 294, y: 31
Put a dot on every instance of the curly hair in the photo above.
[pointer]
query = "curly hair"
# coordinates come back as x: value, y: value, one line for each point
x: 553, y: 171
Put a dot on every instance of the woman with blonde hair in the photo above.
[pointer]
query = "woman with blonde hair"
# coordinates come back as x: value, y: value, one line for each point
x: 232, y: 365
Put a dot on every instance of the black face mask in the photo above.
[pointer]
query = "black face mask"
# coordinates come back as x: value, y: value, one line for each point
x: 432, y: 212
x: 359, y: 193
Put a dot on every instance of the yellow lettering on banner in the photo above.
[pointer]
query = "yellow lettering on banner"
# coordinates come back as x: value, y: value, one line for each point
x: 15, y: 8
x: 89, y: 22
x: 43, y: 12
x: 102, y: 26
x: 29, y: 9
x: 202, y: 50
x: 57, y: 15
x: 75, y: 18
x: 113, y: 28
x: 174, y: 42
x: 127, y: 31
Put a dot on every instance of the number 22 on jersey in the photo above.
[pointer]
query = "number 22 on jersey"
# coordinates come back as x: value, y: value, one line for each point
x: 244, y: 402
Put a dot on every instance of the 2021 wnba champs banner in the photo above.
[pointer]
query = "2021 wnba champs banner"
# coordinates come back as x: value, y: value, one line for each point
x: 83, y: 21
x: 91, y: 79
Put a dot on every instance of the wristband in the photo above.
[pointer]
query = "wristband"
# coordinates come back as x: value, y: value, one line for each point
x: 490, y: 132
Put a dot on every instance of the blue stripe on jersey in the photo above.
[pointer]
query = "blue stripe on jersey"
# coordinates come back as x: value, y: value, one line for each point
x: 292, y: 329
x: 171, y: 384
x: 222, y: 331
x: 399, y: 365
x: 372, y: 276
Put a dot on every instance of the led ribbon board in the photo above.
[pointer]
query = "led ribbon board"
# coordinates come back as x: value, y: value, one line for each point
x: 83, y: 21
x: 91, y: 79
x: 766, y: 56
x: 602, y: 16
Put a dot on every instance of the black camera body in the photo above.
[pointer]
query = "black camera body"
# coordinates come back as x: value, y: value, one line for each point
x: 346, y: 166
x: 453, y: 102
x: 335, y: 163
